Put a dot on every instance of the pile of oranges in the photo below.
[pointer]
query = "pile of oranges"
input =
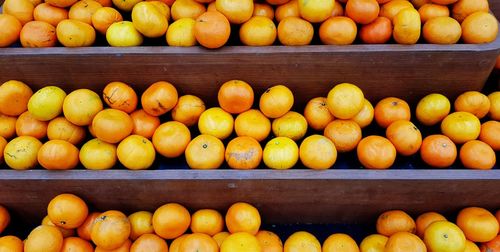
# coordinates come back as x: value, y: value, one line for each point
x: 234, y: 133
x: 75, y: 23
x: 70, y: 227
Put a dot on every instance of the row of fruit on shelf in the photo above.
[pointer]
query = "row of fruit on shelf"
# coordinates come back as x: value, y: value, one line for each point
x: 328, y: 125
x: 209, y: 22
x: 69, y: 226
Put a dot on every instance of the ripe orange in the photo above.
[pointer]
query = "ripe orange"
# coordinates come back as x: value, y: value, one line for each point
x: 317, y: 114
x: 112, y: 125
x: 58, y: 155
x: 186, y: 9
x: 444, y: 236
x: 11, y: 243
x: 171, y: 220
x: 473, y: 102
x: 442, y: 30
x: 269, y: 241
x: 340, y: 242
x: 373, y: 243
x: 136, y: 152
x: 4, y: 218
x: 471, y: 247
x: 14, y: 97
x: 391, y: 109
x: 429, y: 11
x: 243, y: 153
x: 424, y: 220
x: 237, y: 12
x: 85, y: 228
x: 83, y: 10
x: 463, y: 8
x: 276, y: 101
x: 243, y: 217
x: 302, y: 241
x: 171, y: 139
x: 111, y: 230
x: 10, y: 34
x: 292, y: 125
x: 490, y: 134
x: 44, y: 239
x: 494, y: 98
x: 81, y: 106
x: 21, y: 153
x: 345, y: 134
x: 159, y: 98
x: 377, y: 32
x: 207, y: 221
x: 376, y: 152
x: 263, y: 10
x: 220, y: 237
x: 338, y: 9
x: 140, y: 223
x: 216, y: 122
x: 176, y: 243
x: 294, y: 31
x: 478, y: 224
x: 144, y: 124
x: 75, y: 244
x: 461, y: 127
x: 67, y: 211
x: 149, y: 243
x: 393, y: 221
x: 405, y: 136
x: 65, y: 232
x: 362, y: 11
x: 475, y: 154
x: 22, y: 10
x: 121, y: 96
x: 104, y: 17
x: 316, y: 11
x: 432, y: 109
x: 258, y: 31
x: 125, y: 247
x: 278, y: 2
x: 444, y: 2
x: 252, y: 123
x: 479, y: 27
x: 392, y: 8
x: 317, y: 152
x: 7, y: 126
x: 3, y: 143
x: 198, y: 242
x: 61, y: 129
x: 205, y: 152
x: 404, y: 241
x: 338, y: 31
x: 365, y: 116
x: 26, y: 125
x: 188, y: 109
x: 61, y: 3
x: 281, y: 153
x: 212, y: 29
x: 345, y: 100
x: 38, y: 34
x: 98, y: 155
x: 241, y: 242
x: 493, y: 245
x: 235, y: 96
x: 420, y: 3
x: 289, y: 9
x: 438, y: 151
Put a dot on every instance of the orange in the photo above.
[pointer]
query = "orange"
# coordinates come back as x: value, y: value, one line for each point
x: 14, y: 97
x: 345, y: 134
x: 11, y: 243
x: 263, y: 10
x: 61, y: 3
x: 216, y: 122
x: 403, y: 242
x: 471, y: 247
x: 461, y: 127
x: 61, y: 129
x: 26, y: 125
x: 98, y: 155
x: 269, y: 241
x: 7, y: 126
x: 241, y: 242
x: 220, y: 237
x: 278, y: 2
x: 140, y: 223
x: 150, y: 20
x: 211, y: 6
x: 280, y: 153
x: 243, y: 217
x: 362, y: 11
x: 493, y: 245
x: 463, y: 8
x: 475, y: 154
x: 276, y: 101
x: 171, y: 220
x: 205, y: 152
x: 479, y: 27
x: 478, y: 224
x: 429, y: 11
x: 442, y: 30
x: 85, y: 228
x: 444, y: 236
x: 316, y: 11
x: 111, y: 230
x: 365, y: 116
x: 121, y: 96
x: 338, y: 9
x: 432, y: 109
x: 207, y: 221
x: 258, y: 31
x: 3, y: 143
x: 67, y: 211
x: 136, y: 152
x: 438, y: 151
x: 10, y: 34
x: 376, y: 152
x: 125, y: 247
x: 58, y: 155
x: 105, y: 3
x: 44, y: 239
x: 317, y: 152
x: 171, y: 139
x: 235, y: 96
x: 75, y: 244
x: 199, y: 242
x: 104, y: 17
x: 125, y: 5
x: 176, y: 243
x: 83, y: 10
x: 392, y: 8
x: 243, y: 153
x: 237, y: 12
x: 144, y: 124
x: 294, y: 31
x: 338, y: 31
x: 186, y: 9
x: 21, y: 153
x: 38, y: 34
x: 444, y: 2
x: 149, y: 243
x: 405, y: 136
x: 302, y: 241
x: 473, y: 102
x: 424, y: 220
x: 252, y: 123
x: 490, y: 134
x: 22, y: 10
x: 212, y: 29
x: 420, y: 3
x: 46, y: 104
x: 65, y: 232
x: 289, y: 9
x: 494, y: 98
x: 4, y: 218
x: 391, y: 109
x: 81, y: 105
x: 373, y: 243
x: 340, y: 242
x: 159, y: 98
x: 345, y: 100
x: 112, y: 125
x: 393, y: 221
x: 292, y: 125
x: 188, y: 110
x: 317, y: 114
x: 377, y: 32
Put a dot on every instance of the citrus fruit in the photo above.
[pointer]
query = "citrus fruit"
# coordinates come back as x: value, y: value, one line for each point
x: 345, y: 134
x: 149, y: 20
x: 237, y: 12
x: 85, y: 228
x: 478, y: 224
x: 121, y: 96
x: 377, y: 32
x: 463, y: 8
x: 294, y: 31
x: 136, y: 152
x: 442, y: 30
x: 149, y: 243
x: 67, y: 211
x: 235, y: 96
x: 243, y: 217
x: 10, y: 34
x: 159, y: 98
x: 429, y: 11
x: 76, y: 244
x: 362, y: 11
x: 405, y: 136
x: 8, y: 126
x: 391, y: 109
x: 345, y: 100
x: 317, y: 152
x: 407, y: 26
x: 205, y: 152
x: 241, y: 242
x: 26, y: 125
x: 494, y: 98
x: 207, y: 221
x: 144, y: 124
x: 140, y: 223
x: 479, y: 27
x: 112, y: 125
x: 123, y: 34
x: 212, y: 29
x: 61, y: 129
x: 438, y: 151
x: 289, y: 9
x: 376, y: 152
x: 104, y: 17
x: 22, y: 10
x: 58, y: 155
x: 21, y: 152
x: 276, y: 101
x: 171, y: 139
x: 339, y: 242
x: 181, y: 32
x: 38, y: 34
x: 432, y: 109
x: 461, y: 127
x: 473, y: 102
x: 252, y: 123
x: 243, y: 153
x: 98, y: 155
x: 425, y: 219
x: 216, y: 122
x: 315, y: 11
x: 14, y: 98
x: 475, y: 154
x: 302, y: 241
x: 373, y: 243
x: 269, y: 241
x: 490, y: 134
x: 81, y: 105
x: 392, y: 8
x: 263, y: 10
x: 365, y: 116
x: 394, y: 221
x: 4, y: 218
x: 83, y: 10
x: 171, y: 220
x: 292, y: 125
x: 317, y: 114
x: 338, y: 31
x: 281, y: 153
x: 188, y: 110
x: 404, y: 241
x: 444, y: 236
x: 11, y: 243
x: 220, y: 237
x: 111, y: 230
x: 44, y: 238
x: 258, y: 31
